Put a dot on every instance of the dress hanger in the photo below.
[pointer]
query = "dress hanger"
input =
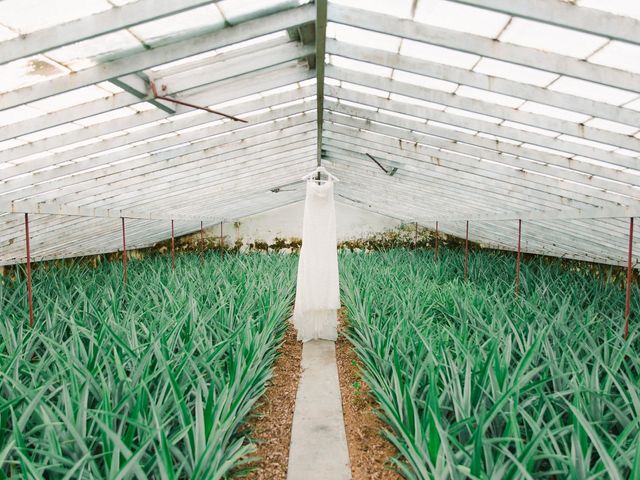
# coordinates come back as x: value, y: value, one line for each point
x: 320, y: 170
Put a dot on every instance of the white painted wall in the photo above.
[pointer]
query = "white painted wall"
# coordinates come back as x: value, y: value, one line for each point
x: 286, y: 222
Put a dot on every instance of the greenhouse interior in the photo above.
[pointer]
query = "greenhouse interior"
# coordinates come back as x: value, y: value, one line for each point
x: 330, y: 239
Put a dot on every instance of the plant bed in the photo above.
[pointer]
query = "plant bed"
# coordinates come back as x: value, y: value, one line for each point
x: 474, y: 382
x: 151, y: 381
x: 369, y: 451
x: 270, y: 426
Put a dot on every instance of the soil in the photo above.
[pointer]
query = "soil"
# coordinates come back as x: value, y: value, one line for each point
x: 271, y: 422
x: 369, y: 451
x: 270, y: 425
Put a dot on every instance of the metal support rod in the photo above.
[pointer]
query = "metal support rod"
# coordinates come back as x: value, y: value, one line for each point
x: 415, y: 237
x: 518, y: 258
x: 191, y: 105
x: 29, y: 285
x: 221, y: 241
x: 437, y: 240
x: 378, y: 163
x: 173, y: 249
x: 124, y: 252
x: 466, y: 254
x: 202, y: 242
x: 627, y: 304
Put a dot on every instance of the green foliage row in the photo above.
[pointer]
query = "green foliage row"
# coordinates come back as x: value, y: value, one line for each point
x: 476, y: 383
x: 149, y: 382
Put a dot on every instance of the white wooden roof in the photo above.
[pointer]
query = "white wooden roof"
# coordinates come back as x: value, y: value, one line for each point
x: 491, y: 111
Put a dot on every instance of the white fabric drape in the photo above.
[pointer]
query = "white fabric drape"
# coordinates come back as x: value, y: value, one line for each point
x: 318, y: 291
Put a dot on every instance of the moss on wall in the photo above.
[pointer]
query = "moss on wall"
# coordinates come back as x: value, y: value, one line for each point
x: 405, y: 236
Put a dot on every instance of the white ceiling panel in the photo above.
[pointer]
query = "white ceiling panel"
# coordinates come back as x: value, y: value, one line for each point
x: 489, y: 112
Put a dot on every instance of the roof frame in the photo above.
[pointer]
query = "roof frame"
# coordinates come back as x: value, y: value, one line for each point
x: 409, y: 137
x: 488, y: 83
x: 140, y: 234
x: 413, y: 130
x: 452, y: 158
x: 567, y: 15
x: 439, y: 195
x: 565, y: 234
x: 237, y: 88
x: 149, y: 184
x: 476, y: 178
x: 92, y: 26
x: 475, y: 124
x: 107, y: 193
x: 486, y: 108
x: 65, y: 175
x: 485, y: 47
x: 146, y: 59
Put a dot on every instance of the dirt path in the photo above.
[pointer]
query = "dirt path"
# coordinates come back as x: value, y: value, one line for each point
x: 271, y: 426
x: 369, y: 451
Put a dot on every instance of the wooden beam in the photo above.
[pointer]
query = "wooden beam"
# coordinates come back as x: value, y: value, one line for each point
x: 575, y: 169
x: 146, y: 59
x: 486, y: 47
x: 224, y: 85
x: 116, y: 18
x: 565, y: 14
x: 54, y: 208
x: 516, y: 134
x: 486, y: 108
x: 562, y: 169
x: 489, y: 83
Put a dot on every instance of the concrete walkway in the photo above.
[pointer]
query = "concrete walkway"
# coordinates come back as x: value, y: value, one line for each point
x: 318, y: 441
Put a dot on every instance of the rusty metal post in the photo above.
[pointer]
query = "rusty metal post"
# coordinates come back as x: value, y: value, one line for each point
x: 627, y: 304
x: 437, y: 240
x: 29, y: 285
x: 518, y: 257
x: 173, y: 249
x: 466, y: 254
x: 124, y: 252
x: 221, y: 241
x: 202, y: 242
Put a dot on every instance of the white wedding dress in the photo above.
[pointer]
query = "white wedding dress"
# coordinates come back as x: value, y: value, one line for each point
x: 318, y: 292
